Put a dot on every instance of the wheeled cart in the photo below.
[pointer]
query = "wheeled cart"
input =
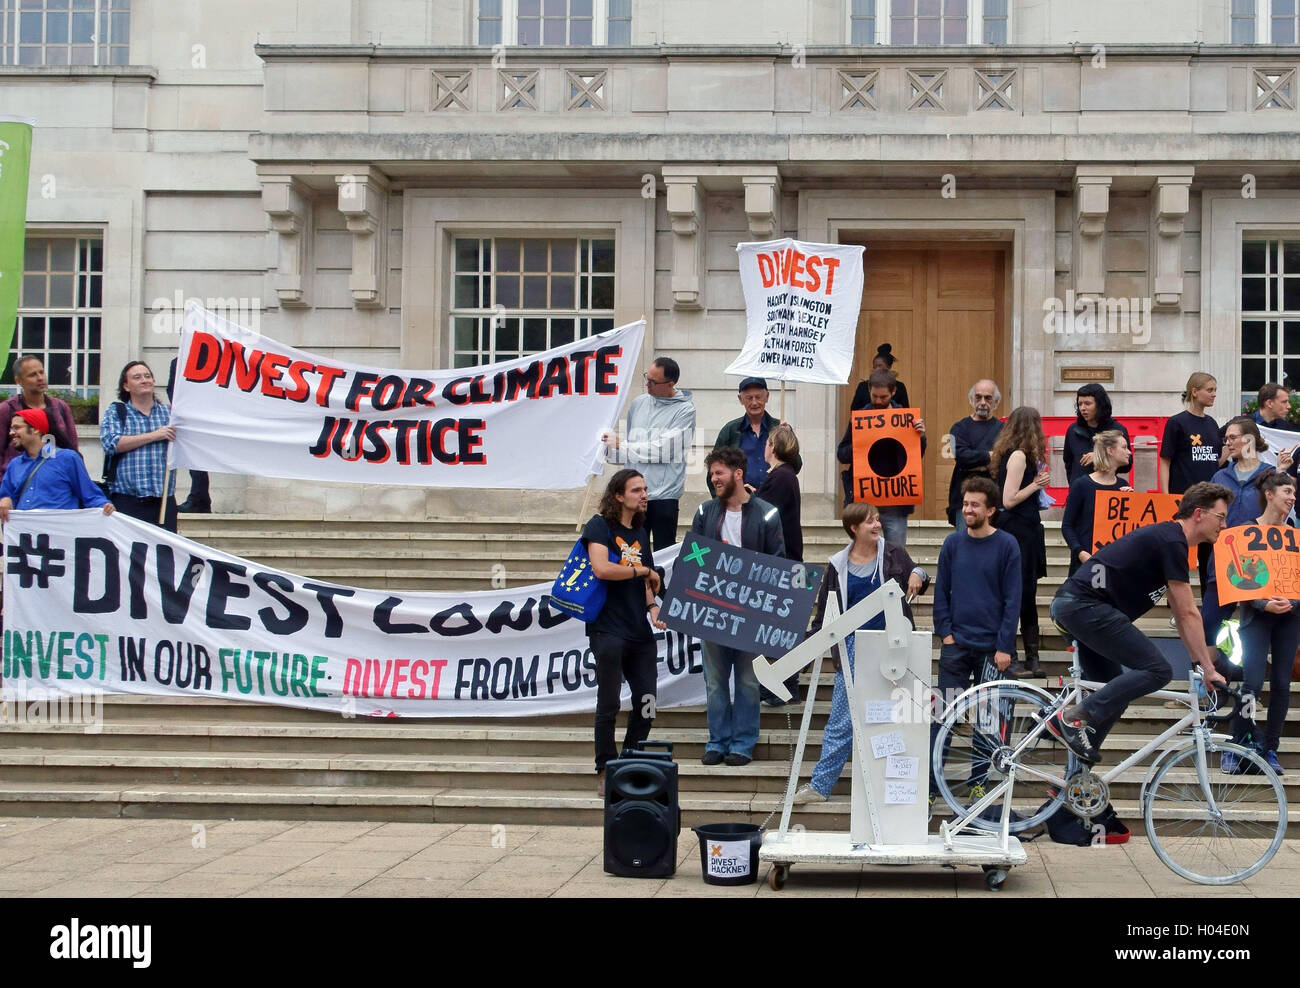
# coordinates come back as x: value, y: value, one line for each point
x: 826, y: 849
x: 889, y: 709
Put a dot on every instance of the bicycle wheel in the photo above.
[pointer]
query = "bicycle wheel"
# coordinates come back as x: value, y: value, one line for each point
x: 973, y: 748
x: 1215, y: 848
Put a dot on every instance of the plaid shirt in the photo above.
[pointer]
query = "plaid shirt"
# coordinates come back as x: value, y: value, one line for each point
x: 140, y: 471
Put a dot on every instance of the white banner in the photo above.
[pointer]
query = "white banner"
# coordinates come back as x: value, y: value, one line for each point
x: 801, y: 310
x: 249, y: 405
x: 114, y: 604
x: 1277, y: 439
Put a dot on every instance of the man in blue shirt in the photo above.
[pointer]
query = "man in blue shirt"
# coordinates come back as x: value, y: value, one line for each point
x: 749, y: 433
x: 58, y: 480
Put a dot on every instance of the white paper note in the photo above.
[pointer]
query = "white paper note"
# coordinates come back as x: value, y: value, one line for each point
x: 902, y: 767
x: 900, y: 792
x: 881, y: 712
x: 887, y: 744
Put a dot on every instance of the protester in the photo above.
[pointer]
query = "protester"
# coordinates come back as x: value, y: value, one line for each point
x: 880, y: 389
x: 866, y: 564
x: 1110, y: 453
x: 972, y: 441
x: 1116, y: 586
x: 29, y: 375
x: 1092, y: 406
x: 135, y: 431
x: 1274, y: 406
x: 660, y: 431
x: 976, y: 603
x: 1242, y: 445
x: 1270, y: 624
x: 883, y: 360
x: 749, y: 432
x: 781, y: 490
x: 36, y: 480
x: 1189, y: 450
x: 199, y: 499
x: 736, y: 517
x: 622, y: 640
x: 1018, y: 462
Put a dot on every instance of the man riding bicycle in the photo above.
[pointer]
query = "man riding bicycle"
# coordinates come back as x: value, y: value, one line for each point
x: 1115, y: 587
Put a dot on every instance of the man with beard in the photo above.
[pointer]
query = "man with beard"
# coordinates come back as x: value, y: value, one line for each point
x: 738, y: 518
x: 972, y: 440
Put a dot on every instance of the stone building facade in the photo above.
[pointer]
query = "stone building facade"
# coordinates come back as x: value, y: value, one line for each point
x: 413, y: 183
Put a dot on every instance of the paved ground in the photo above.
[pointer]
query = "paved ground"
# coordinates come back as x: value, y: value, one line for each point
x: 121, y: 858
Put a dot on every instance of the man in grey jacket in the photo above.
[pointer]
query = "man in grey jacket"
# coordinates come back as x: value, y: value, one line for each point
x: 660, y: 433
x: 738, y: 518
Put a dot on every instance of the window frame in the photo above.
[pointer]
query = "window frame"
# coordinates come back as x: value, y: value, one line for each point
x: 522, y: 312
x: 91, y: 386
x: 102, y: 11
x: 974, y: 25
x: 1273, y: 318
x: 510, y: 26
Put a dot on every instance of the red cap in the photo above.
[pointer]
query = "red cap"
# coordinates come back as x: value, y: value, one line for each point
x: 36, y: 418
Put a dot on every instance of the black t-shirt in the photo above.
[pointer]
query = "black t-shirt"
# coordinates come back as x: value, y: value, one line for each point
x: 1132, y: 573
x: 624, y: 613
x: 1191, y: 444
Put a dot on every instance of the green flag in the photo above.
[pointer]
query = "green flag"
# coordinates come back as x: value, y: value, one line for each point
x: 15, y: 159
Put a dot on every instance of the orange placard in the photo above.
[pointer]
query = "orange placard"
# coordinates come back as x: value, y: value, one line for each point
x: 1116, y: 513
x: 887, y: 456
x: 1255, y: 562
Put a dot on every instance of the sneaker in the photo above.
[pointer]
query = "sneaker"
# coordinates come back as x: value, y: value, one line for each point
x: 977, y: 793
x: 1273, y: 763
x: 188, y: 507
x: 736, y: 759
x: 807, y: 794
x: 712, y: 757
x: 1230, y: 764
x: 1074, y: 735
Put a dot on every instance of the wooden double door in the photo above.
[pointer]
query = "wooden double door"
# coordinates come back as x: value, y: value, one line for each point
x: 944, y: 312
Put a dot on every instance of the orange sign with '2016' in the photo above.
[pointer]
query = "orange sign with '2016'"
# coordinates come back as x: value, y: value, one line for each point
x: 887, y: 456
x: 1255, y: 562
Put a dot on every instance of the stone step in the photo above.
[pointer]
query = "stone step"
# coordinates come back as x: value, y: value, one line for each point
x: 416, y: 771
x: 571, y: 807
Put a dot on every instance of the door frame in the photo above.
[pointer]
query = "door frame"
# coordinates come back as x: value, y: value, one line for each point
x: 1026, y: 218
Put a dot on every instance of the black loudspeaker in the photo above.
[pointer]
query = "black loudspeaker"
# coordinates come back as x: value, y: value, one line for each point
x: 642, y: 815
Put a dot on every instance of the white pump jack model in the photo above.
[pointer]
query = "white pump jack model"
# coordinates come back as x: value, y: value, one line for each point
x: 905, y: 652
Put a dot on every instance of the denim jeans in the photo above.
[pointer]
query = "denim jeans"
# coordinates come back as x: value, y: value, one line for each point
x: 1105, y: 635
x: 894, y: 527
x: 733, y: 724
x: 1261, y: 633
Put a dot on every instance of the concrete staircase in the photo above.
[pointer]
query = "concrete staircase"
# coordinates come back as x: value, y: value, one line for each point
x: 203, y: 758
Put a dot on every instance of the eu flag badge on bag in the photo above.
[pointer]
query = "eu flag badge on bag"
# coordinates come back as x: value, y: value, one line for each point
x: 577, y: 591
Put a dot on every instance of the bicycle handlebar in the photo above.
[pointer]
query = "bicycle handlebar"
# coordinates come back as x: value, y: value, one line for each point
x: 1218, y: 715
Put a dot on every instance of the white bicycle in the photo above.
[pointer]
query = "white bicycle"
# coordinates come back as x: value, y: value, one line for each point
x: 1205, y: 825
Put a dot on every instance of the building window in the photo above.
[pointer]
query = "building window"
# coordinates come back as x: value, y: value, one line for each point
x: 64, y: 32
x: 512, y: 296
x: 554, y: 22
x: 1242, y: 22
x: 927, y: 22
x: 995, y: 22
x: 862, y: 22
x: 60, y: 308
x: 1282, y: 21
x: 620, y: 22
x: 1270, y: 314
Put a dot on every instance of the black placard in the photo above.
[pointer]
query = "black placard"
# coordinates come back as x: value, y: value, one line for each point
x: 742, y: 599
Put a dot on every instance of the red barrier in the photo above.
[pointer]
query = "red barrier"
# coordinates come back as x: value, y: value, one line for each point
x: 1144, y: 430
